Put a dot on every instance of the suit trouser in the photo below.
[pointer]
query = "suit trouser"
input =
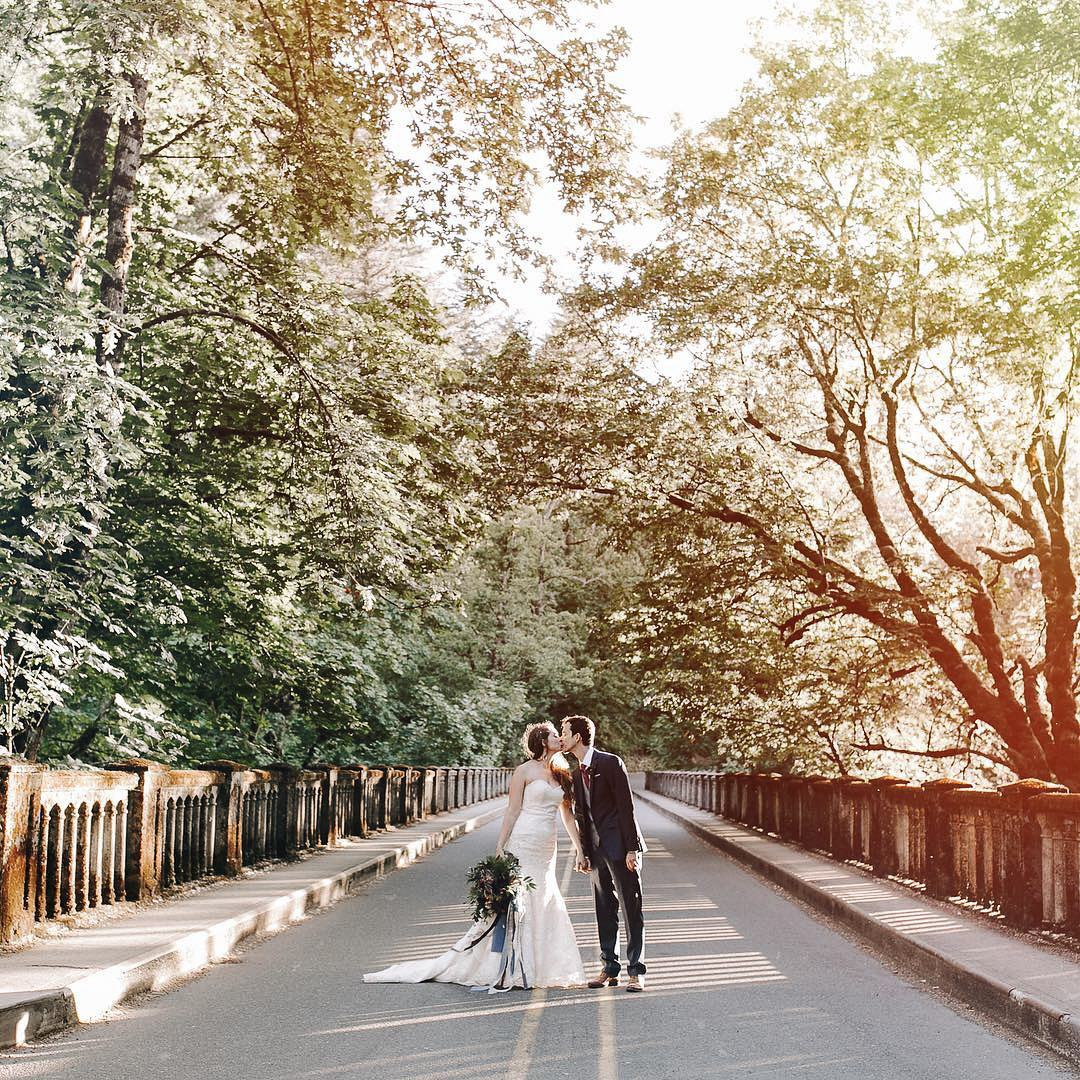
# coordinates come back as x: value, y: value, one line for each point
x: 615, y: 887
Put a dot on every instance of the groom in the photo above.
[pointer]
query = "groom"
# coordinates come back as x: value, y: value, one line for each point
x: 613, y: 848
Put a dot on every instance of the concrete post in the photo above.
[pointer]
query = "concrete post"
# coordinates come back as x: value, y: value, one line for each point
x: 425, y: 786
x: 939, y: 852
x: 297, y: 817
x: 785, y: 826
x: 882, y: 825
x: 20, y: 807
x: 228, y: 831
x: 398, y: 785
x: 360, y: 825
x: 328, y: 827
x: 852, y: 803
x: 379, y: 782
x: 1022, y: 904
x: 145, y: 841
x: 819, y: 801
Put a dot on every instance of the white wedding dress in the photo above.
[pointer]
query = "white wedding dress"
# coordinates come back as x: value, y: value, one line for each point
x: 544, y: 943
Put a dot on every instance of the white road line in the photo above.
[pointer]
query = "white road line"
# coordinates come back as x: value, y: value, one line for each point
x: 607, y: 1063
x: 518, y: 1067
x: 520, y: 1061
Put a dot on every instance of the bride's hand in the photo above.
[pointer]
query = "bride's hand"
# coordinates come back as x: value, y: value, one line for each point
x: 499, y: 851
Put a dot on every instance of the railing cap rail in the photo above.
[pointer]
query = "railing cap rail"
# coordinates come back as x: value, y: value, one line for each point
x: 233, y: 770
x: 1024, y: 789
x: 944, y: 784
x: 191, y: 776
x: 53, y: 780
x: 17, y: 765
x: 1056, y: 802
x: 972, y: 796
x: 888, y: 781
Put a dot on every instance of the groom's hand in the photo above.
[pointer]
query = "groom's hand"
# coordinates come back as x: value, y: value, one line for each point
x: 583, y: 866
x: 631, y: 861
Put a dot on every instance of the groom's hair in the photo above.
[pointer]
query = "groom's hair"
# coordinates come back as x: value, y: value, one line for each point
x: 582, y: 726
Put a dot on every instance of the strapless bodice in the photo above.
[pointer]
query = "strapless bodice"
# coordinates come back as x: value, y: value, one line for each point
x: 541, y: 797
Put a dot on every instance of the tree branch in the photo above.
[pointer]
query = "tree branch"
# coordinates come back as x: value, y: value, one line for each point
x: 182, y: 133
x: 952, y: 751
x: 1006, y: 557
x: 780, y: 440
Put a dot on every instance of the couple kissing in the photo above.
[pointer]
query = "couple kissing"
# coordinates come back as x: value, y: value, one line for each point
x: 563, y: 777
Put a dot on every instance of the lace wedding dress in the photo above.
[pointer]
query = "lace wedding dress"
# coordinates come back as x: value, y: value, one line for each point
x: 544, y: 941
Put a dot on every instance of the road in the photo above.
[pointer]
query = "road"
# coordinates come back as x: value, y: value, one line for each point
x: 742, y: 983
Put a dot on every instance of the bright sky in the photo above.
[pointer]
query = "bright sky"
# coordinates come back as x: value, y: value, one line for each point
x: 687, y: 57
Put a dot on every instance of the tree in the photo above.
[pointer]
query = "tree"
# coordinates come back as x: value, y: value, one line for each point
x: 212, y: 427
x: 889, y: 354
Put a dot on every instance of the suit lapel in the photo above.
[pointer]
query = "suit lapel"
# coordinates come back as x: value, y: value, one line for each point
x: 597, y: 773
x: 579, y: 792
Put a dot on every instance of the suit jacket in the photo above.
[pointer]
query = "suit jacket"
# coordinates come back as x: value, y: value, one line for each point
x: 612, y: 808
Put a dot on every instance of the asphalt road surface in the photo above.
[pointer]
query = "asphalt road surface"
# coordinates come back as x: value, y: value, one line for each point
x: 742, y: 983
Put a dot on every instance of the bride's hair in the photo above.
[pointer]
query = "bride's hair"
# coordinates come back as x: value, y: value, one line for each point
x: 534, y: 739
x: 534, y: 744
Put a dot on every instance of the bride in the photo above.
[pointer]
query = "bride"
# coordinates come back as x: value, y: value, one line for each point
x: 544, y: 943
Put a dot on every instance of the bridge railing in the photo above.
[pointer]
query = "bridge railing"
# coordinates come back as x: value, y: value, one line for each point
x: 74, y: 840
x: 1014, y: 850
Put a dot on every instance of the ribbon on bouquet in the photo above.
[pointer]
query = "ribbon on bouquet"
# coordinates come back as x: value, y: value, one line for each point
x: 511, y: 961
x: 503, y: 932
x: 497, y: 928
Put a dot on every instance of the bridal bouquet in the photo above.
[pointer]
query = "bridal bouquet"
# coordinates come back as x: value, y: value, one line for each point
x: 497, y: 888
x: 496, y: 884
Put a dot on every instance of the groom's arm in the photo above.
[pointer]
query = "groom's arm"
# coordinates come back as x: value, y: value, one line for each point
x: 624, y: 799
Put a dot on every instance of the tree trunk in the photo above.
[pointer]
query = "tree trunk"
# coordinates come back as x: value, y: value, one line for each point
x: 120, y: 243
x: 85, y: 175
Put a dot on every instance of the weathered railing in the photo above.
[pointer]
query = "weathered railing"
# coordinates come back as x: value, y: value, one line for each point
x: 72, y: 840
x: 1014, y: 850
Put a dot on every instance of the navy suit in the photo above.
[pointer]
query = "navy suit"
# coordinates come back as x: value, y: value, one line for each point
x: 609, y: 830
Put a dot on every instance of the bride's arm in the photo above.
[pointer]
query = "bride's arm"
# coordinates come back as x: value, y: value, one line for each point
x: 570, y: 823
x: 513, y: 807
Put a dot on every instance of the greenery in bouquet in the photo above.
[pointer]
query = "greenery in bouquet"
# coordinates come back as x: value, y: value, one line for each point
x: 495, y: 883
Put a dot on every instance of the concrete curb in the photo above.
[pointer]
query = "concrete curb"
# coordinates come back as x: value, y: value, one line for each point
x: 44, y: 1012
x: 1039, y: 1019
